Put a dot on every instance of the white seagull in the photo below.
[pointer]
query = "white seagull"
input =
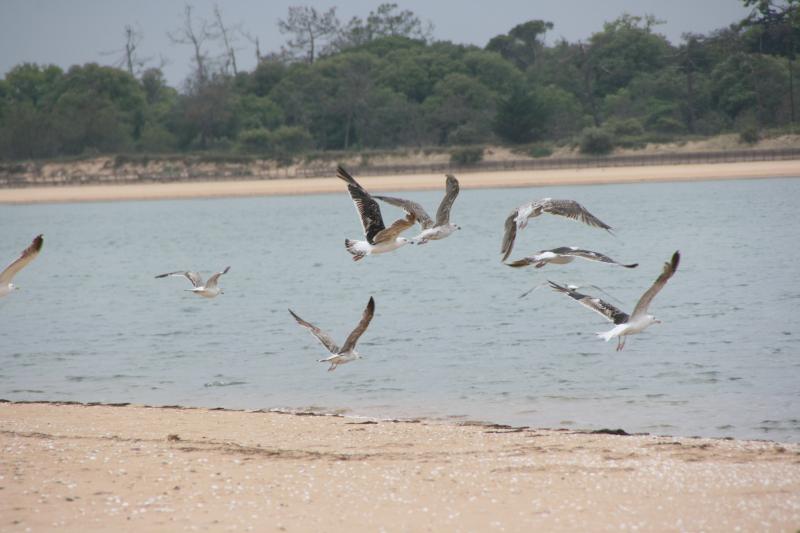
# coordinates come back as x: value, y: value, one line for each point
x: 346, y: 353
x: 380, y: 239
x: 626, y: 324
x: 518, y: 218
x: 207, y: 290
x: 28, y: 255
x: 564, y: 255
x: 431, y: 230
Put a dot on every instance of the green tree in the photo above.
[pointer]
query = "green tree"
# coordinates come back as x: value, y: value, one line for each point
x: 521, y: 116
x: 625, y: 48
x: 775, y: 29
x: 206, y: 113
x: 460, y: 110
x: 749, y: 86
x: 311, y: 31
x: 523, y: 44
x: 385, y: 21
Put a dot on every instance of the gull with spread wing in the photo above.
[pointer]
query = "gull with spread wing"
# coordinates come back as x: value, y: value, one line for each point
x: 564, y: 255
x: 209, y: 289
x: 431, y: 230
x: 625, y: 324
x: 380, y: 239
x: 518, y: 218
x: 347, y: 352
x: 28, y: 255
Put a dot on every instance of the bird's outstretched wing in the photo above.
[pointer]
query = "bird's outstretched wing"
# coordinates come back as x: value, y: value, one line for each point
x: 366, y: 317
x: 509, y: 235
x: 525, y: 261
x: 367, y: 208
x: 597, y: 305
x: 451, y: 191
x: 398, y: 227
x: 647, y: 297
x: 590, y: 255
x: 212, y: 281
x: 410, y: 207
x: 194, y: 277
x: 321, y: 336
x: 572, y: 209
x: 27, y: 255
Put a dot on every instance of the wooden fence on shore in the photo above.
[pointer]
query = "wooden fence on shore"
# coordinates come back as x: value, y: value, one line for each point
x: 13, y: 179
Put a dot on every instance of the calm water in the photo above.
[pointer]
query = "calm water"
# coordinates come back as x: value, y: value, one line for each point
x: 450, y: 339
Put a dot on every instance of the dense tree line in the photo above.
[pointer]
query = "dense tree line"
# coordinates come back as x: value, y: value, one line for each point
x: 384, y: 82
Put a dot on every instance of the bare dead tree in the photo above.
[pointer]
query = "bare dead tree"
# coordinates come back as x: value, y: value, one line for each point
x: 194, y: 34
x: 254, y: 40
x: 228, y: 36
x: 127, y: 56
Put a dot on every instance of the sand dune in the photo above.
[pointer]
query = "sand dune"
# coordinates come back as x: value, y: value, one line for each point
x: 105, y: 468
x: 469, y: 180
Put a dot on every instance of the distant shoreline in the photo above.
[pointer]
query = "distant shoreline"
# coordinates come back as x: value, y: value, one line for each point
x: 468, y: 180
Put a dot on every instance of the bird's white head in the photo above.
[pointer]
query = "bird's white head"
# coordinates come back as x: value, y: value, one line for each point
x: 12, y: 287
x: 402, y: 241
x: 653, y: 320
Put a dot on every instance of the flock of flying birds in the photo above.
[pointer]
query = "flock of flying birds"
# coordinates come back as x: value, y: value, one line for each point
x: 379, y: 239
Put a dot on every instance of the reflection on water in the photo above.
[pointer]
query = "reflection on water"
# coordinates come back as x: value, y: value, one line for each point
x: 451, y: 337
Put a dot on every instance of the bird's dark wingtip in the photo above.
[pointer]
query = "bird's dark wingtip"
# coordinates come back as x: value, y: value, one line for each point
x: 341, y: 173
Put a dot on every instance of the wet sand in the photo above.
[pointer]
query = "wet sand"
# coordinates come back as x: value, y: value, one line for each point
x: 127, y: 468
x: 468, y: 180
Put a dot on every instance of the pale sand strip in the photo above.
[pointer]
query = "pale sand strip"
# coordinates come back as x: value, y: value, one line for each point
x: 103, y: 468
x: 469, y: 180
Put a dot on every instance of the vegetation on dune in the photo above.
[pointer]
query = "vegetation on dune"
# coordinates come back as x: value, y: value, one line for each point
x: 383, y: 82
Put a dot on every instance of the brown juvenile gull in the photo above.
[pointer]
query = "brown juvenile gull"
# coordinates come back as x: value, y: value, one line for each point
x: 347, y: 352
x: 518, y: 218
x: 208, y: 290
x: 431, y: 230
x: 626, y: 324
x: 28, y: 255
x: 564, y: 255
x: 380, y: 239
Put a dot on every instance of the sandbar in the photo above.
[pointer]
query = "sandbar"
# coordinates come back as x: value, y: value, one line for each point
x: 80, y: 467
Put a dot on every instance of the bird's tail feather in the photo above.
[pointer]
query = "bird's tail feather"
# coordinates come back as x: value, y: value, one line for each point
x: 606, y: 335
x: 352, y: 248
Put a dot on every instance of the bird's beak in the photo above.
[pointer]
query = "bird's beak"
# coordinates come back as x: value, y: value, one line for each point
x: 657, y: 321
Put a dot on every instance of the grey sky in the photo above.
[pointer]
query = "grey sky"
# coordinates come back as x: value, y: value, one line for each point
x: 74, y: 32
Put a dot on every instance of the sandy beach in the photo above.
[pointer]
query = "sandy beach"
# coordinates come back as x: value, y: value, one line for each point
x: 468, y: 180
x: 128, y: 468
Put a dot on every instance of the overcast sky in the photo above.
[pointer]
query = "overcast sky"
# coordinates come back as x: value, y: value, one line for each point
x: 72, y: 32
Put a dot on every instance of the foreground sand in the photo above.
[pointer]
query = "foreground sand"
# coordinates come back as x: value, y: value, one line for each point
x: 471, y: 180
x: 106, y: 468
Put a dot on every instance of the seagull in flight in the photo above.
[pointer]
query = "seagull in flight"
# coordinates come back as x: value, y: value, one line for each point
x: 518, y: 218
x: 564, y: 255
x: 347, y: 352
x: 28, y: 255
x: 380, y: 239
x: 625, y: 324
x: 431, y: 230
x: 207, y: 290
